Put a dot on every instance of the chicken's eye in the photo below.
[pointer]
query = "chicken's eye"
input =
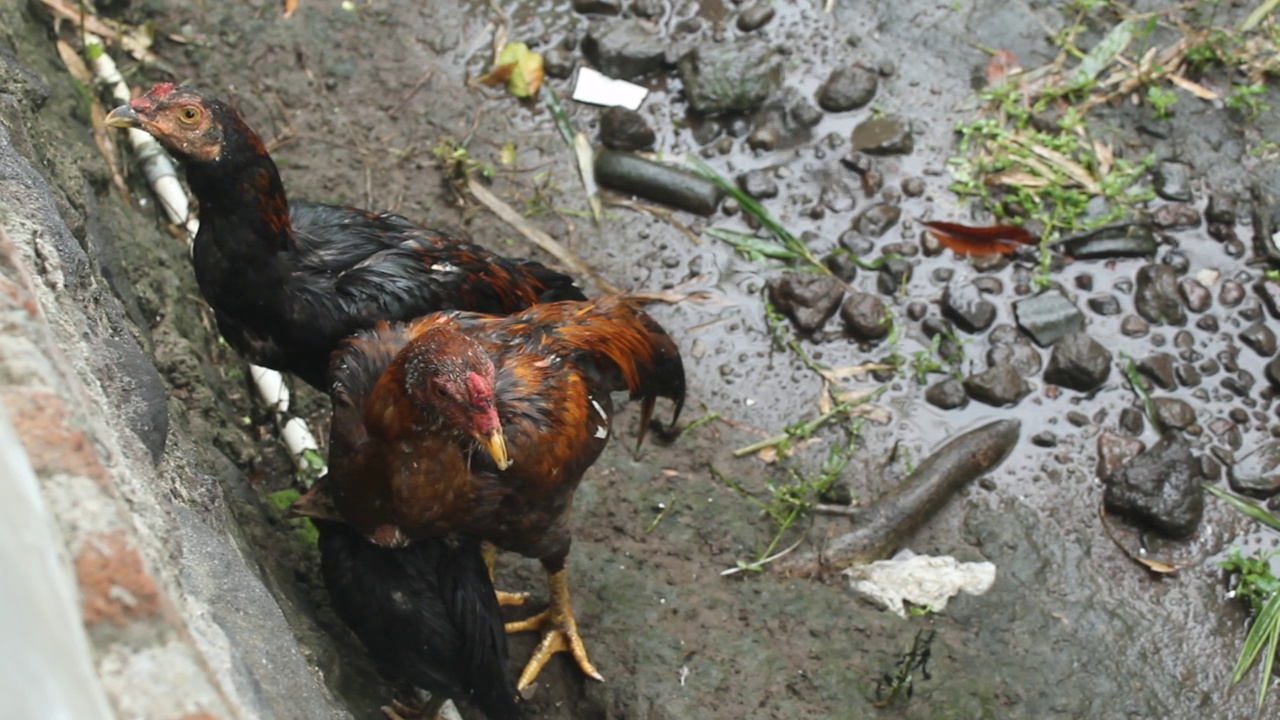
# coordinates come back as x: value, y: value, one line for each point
x: 188, y: 114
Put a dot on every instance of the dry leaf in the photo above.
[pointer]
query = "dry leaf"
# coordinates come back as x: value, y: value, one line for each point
x: 1003, y: 63
x: 519, y: 67
x: 289, y: 7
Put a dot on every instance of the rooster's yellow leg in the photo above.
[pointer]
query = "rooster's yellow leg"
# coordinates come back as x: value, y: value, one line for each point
x: 559, y: 632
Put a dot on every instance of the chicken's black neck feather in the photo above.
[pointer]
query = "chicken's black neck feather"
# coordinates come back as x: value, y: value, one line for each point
x: 242, y: 196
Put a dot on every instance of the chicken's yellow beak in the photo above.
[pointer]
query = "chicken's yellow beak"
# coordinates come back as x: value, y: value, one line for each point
x: 495, y: 443
x: 123, y: 117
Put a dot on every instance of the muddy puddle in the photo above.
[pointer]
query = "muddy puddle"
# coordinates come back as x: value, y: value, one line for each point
x: 359, y: 94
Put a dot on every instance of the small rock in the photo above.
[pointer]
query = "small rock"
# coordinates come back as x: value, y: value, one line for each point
x: 967, y: 308
x: 802, y: 112
x: 1173, y: 413
x: 1008, y: 346
x: 1160, y: 487
x: 764, y: 137
x: 864, y: 317
x: 847, y: 88
x: 559, y: 63
x: 856, y: 243
x: 1114, y: 451
x: 1273, y: 373
x: 808, y: 299
x: 883, y: 135
x: 1173, y: 181
x: 1078, y: 362
x: 623, y: 129
x: 1231, y: 293
x: 1156, y: 295
x: 598, y: 7
x: 916, y: 310
x: 1176, y: 216
x: 1207, y: 323
x: 1078, y: 419
x: 947, y: 394
x: 1104, y: 304
x: 999, y: 385
x: 1159, y: 367
x: 1260, y: 338
x: 988, y: 285
x: 1250, y: 309
x: 624, y: 49
x: 842, y: 265
x: 1195, y: 295
x: 1258, y: 473
x: 1221, y: 209
x: 877, y: 219
x: 1047, y: 317
x: 1133, y: 326
x: 1187, y: 374
x: 1131, y: 422
x: 758, y: 184
x: 1269, y: 291
x: 913, y: 186
x: 755, y: 17
x: 1044, y: 439
x: 892, y: 274
x: 1177, y: 260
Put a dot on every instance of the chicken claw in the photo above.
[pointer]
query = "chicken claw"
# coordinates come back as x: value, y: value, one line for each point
x: 428, y: 710
x: 490, y: 554
x: 559, y: 633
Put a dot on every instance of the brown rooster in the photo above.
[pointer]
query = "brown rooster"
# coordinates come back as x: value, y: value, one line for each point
x: 483, y: 426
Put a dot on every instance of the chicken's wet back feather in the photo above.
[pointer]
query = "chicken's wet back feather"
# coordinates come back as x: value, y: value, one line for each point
x: 426, y: 613
x: 289, y: 280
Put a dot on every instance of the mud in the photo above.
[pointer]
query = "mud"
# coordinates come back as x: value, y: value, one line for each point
x: 358, y: 98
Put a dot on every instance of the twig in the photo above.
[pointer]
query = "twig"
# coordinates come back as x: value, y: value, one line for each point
x: 163, y: 179
x: 548, y: 244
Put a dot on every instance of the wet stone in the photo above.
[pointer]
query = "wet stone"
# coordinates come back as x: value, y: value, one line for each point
x: 877, y: 219
x: 1260, y: 339
x: 1209, y: 367
x: 842, y: 266
x: 1078, y: 362
x: 802, y: 112
x: 1084, y: 282
x: 883, y: 135
x: 764, y: 137
x: 1131, y: 421
x: 623, y: 129
x: 1078, y: 419
x: 857, y: 243
x: 598, y: 7
x: 1187, y: 374
x: 1258, y: 473
x: 731, y: 77
x: 1021, y: 355
x: 1173, y: 181
x: 913, y: 186
x: 964, y: 305
x: 988, y: 285
x: 1173, y: 413
x: 999, y: 386
x: 1273, y: 373
x: 1159, y: 367
x: 942, y: 275
x: 808, y: 299
x: 707, y: 131
x: 891, y: 275
x: 624, y: 49
x: 1239, y: 384
x: 1133, y: 326
x: 1044, y: 439
x: 1176, y: 216
x: 1047, y: 317
x: 1250, y: 309
x: 647, y: 8
x: 758, y: 184
x: 917, y: 309
x: 864, y: 317
x: 994, y: 262
x: 1177, y: 260
x: 947, y: 394
x: 1156, y: 295
x: 930, y: 244
x: 1195, y: 295
x: 847, y: 88
x: 1160, y: 487
x: 1231, y: 293
x: 755, y: 17
x: 1269, y: 291
x: 1114, y: 451
x: 1221, y: 209
x: 559, y: 63
x: 1104, y: 305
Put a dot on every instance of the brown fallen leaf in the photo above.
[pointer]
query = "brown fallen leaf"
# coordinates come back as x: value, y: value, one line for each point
x: 967, y: 240
x: 289, y: 7
x: 1163, y: 567
x: 1003, y: 63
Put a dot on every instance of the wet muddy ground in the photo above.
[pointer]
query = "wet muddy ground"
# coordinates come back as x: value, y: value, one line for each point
x: 359, y: 94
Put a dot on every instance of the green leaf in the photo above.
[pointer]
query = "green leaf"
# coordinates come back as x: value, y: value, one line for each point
x: 1245, y: 506
x: 1103, y: 54
x: 282, y: 499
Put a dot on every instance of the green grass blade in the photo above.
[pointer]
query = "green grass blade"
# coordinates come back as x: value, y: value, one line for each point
x: 1245, y: 506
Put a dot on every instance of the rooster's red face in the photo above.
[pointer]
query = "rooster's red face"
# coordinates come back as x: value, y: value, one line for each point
x: 452, y: 377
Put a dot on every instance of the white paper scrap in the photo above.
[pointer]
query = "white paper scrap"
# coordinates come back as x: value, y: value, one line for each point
x: 922, y: 580
x: 595, y: 88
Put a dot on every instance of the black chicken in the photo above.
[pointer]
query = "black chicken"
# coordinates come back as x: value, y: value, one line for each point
x: 426, y: 612
x: 288, y: 281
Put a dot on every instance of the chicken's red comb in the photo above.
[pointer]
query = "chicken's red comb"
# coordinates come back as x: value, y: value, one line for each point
x: 161, y: 90
x: 145, y: 101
